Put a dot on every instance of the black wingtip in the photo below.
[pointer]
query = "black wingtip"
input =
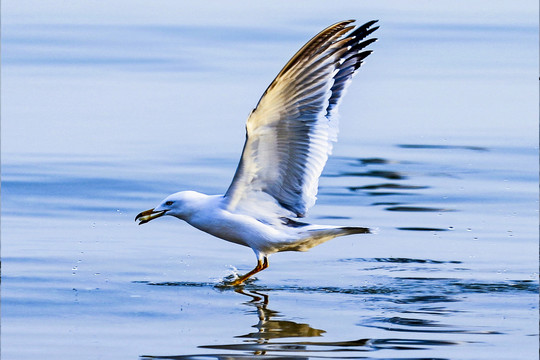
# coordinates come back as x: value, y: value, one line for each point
x: 361, y: 45
x: 360, y: 33
x: 372, y: 22
x: 368, y: 25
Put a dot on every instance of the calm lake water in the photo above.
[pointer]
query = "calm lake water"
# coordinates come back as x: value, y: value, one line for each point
x: 103, y: 116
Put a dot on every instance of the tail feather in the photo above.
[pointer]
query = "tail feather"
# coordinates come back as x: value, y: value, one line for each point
x: 315, y: 236
x: 349, y: 230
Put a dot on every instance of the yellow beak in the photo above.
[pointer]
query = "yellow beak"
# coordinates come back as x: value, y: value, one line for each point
x: 148, y: 215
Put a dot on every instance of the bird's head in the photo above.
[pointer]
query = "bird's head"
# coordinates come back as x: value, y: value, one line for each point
x: 174, y: 205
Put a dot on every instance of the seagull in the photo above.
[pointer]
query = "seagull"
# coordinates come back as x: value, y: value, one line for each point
x: 289, y: 137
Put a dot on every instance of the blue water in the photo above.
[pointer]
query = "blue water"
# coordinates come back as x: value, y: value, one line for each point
x: 103, y: 116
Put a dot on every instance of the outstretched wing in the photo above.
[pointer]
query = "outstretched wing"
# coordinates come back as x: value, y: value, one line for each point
x: 289, y: 134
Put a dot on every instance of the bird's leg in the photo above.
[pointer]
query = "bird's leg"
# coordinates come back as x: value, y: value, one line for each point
x: 261, y: 265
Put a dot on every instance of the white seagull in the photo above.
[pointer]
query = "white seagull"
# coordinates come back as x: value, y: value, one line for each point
x: 289, y: 136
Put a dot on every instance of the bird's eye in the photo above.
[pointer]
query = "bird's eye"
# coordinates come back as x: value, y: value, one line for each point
x: 169, y: 203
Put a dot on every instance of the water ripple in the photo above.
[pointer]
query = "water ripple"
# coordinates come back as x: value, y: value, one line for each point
x: 429, y: 289
x: 419, y: 228
x: 443, y: 147
x: 417, y: 209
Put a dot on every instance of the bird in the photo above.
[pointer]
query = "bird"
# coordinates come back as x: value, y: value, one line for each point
x: 289, y: 136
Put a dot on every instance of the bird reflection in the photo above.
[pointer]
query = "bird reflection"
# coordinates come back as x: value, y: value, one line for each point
x: 269, y: 327
x: 264, y: 341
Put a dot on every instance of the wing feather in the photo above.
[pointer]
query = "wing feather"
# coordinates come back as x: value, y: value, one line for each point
x: 289, y: 134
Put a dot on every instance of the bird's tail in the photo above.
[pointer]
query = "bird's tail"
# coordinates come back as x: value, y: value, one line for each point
x: 318, y: 234
x: 349, y: 230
